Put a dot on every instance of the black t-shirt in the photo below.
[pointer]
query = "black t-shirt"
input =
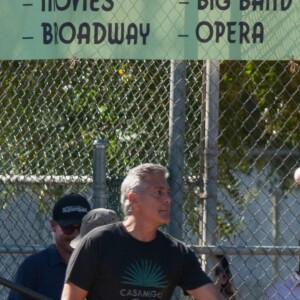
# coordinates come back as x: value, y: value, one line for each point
x: 112, y: 265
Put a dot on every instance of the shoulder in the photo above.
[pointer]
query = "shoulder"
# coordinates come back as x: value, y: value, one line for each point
x: 40, y: 256
x: 171, y: 239
x: 173, y: 242
x: 105, y: 229
x: 97, y: 240
x: 104, y: 232
x: 34, y: 264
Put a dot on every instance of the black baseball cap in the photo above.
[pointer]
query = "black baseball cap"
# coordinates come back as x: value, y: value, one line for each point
x: 70, y: 209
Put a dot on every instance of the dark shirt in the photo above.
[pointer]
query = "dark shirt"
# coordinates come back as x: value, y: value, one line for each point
x: 111, y: 264
x: 43, y: 272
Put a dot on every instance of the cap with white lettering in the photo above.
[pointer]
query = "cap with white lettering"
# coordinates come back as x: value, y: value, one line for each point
x: 70, y: 209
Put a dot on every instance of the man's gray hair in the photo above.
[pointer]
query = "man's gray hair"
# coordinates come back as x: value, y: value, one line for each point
x: 134, y: 181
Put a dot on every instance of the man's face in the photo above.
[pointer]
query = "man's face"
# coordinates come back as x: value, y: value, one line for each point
x: 64, y: 235
x: 154, y: 202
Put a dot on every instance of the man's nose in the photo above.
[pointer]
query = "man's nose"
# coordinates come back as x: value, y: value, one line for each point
x: 167, y: 198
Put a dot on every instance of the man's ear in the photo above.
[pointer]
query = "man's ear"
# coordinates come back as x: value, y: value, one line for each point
x: 52, y: 225
x: 132, y: 197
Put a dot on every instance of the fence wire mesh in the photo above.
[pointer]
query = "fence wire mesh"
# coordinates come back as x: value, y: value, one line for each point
x: 53, y: 110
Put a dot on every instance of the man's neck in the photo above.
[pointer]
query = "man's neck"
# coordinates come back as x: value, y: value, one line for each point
x: 139, y: 230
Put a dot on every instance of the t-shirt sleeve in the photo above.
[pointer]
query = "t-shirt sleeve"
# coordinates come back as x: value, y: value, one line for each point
x: 84, y: 264
x: 192, y: 275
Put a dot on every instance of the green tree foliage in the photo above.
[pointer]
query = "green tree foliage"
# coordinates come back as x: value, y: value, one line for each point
x: 259, y: 110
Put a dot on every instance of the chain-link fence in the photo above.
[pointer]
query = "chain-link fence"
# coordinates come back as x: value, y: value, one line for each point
x: 227, y: 130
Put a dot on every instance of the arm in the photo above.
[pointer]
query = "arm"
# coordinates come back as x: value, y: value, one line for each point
x: 206, y: 292
x: 73, y: 292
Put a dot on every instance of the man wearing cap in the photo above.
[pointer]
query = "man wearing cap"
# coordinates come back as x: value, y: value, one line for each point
x: 44, y: 272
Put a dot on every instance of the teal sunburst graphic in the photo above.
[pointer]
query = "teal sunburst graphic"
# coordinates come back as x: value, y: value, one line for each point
x: 145, y: 273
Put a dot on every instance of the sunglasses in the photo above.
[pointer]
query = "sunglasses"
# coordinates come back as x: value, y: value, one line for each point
x: 69, y: 229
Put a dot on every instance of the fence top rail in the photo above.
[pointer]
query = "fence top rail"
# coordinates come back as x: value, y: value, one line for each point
x: 45, y: 179
x: 247, y: 250
x: 14, y: 249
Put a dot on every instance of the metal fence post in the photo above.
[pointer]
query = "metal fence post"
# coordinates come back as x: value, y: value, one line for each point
x: 176, y: 144
x: 100, y: 194
x: 210, y: 175
x: 176, y: 149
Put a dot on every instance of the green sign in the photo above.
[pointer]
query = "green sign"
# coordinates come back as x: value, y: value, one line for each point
x: 150, y: 29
